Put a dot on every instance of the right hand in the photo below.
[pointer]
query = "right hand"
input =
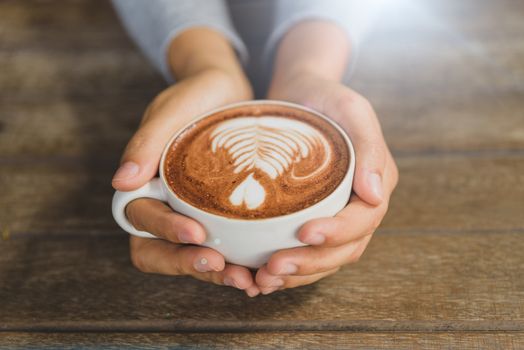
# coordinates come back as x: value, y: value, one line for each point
x: 177, y: 251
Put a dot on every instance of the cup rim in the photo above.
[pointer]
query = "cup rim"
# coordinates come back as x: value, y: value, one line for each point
x: 349, y: 173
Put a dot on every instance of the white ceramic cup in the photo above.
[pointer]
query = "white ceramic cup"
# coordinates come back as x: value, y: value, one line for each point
x: 243, y: 242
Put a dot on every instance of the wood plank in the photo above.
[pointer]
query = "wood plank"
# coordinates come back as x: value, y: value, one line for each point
x: 447, y: 74
x: 39, y: 75
x: 451, y: 81
x: 405, y: 282
x: 452, y: 192
x: 57, y: 25
x: 459, y: 197
x: 458, y: 192
x: 416, y: 123
x: 67, y: 127
x: 410, y: 125
x: 279, y: 340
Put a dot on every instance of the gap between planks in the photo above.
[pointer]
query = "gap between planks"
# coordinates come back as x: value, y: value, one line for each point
x: 187, y: 326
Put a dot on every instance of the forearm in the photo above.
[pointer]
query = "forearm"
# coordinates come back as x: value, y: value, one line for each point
x: 200, y: 50
x: 313, y: 47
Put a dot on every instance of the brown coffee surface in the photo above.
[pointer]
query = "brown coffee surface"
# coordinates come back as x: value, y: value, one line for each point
x: 258, y: 161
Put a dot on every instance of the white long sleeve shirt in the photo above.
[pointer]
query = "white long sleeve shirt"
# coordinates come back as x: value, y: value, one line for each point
x: 153, y: 24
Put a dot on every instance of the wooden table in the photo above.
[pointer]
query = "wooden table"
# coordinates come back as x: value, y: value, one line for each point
x: 445, y: 270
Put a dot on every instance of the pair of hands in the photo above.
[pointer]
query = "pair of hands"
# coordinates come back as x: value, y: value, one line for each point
x: 332, y: 242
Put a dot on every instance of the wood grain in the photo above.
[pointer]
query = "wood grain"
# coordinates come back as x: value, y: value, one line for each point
x: 445, y: 270
x: 411, y: 125
x: 405, y: 282
x: 57, y: 25
x: 280, y: 340
x: 444, y: 75
x: 75, y: 76
x: 476, y: 192
x: 69, y: 128
x: 466, y: 73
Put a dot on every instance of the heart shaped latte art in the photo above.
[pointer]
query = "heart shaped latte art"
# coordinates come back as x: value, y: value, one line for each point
x: 271, y: 145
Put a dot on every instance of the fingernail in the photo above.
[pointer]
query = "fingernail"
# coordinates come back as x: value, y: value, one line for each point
x: 314, y: 239
x: 288, y: 269
x: 269, y: 290
x: 375, y: 182
x: 202, y: 265
x: 252, y: 291
x: 126, y: 171
x: 277, y: 282
x: 186, y: 237
x: 228, y: 281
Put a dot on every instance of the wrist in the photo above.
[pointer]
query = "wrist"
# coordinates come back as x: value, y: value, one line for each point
x: 208, y: 88
x: 234, y: 87
x: 315, y: 49
x: 200, y: 52
x: 296, y: 83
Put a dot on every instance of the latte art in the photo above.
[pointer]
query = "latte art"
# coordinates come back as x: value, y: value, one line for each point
x: 269, y: 144
x: 256, y: 161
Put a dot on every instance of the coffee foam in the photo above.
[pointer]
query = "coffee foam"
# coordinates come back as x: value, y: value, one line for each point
x: 269, y: 144
x: 256, y: 162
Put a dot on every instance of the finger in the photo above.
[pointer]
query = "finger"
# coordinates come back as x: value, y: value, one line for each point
x: 163, y: 117
x: 141, y: 157
x: 162, y: 257
x: 352, y: 223
x: 310, y: 260
x: 355, y: 220
x: 288, y: 281
x: 170, y: 111
x: 357, y: 117
x: 235, y: 276
x: 252, y: 291
x: 160, y: 220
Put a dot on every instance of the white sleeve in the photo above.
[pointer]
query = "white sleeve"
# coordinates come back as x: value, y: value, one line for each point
x: 354, y: 16
x: 153, y: 24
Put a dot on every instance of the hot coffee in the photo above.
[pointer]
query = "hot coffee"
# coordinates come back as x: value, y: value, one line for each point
x: 256, y: 161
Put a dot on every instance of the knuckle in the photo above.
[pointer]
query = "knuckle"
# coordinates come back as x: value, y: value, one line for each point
x: 133, y: 216
x: 362, y: 102
x: 375, y: 223
x: 138, y: 261
x: 344, y: 102
x: 176, y: 267
x: 394, y: 169
x: 351, y: 100
x: 186, y: 225
x: 158, y: 103
x: 292, y: 283
x: 320, y: 263
x: 138, y: 142
x: 355, y: 257
x: 167, y: 228
x: 375, y: 148
x: 259, y: 279
x: 274, y: 263
x: 384, y: 209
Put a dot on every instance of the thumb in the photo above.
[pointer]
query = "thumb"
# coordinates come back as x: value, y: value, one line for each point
x: 171, y: 110
x: 141, y: 157
x: 356, y: 116
x: 370, y: 161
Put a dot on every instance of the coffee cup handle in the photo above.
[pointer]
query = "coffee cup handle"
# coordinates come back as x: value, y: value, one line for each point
x: 153, y: 189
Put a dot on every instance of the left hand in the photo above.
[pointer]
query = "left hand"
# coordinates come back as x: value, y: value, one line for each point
x: 340, y: 240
